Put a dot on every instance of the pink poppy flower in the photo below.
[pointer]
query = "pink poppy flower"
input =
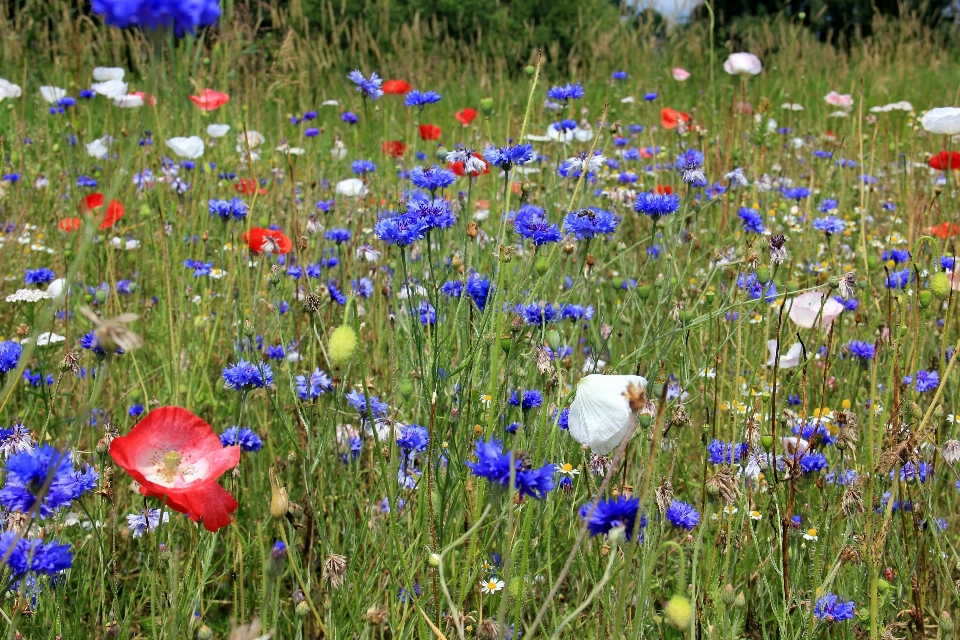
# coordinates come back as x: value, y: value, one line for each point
x: 680, y: 75
x: 805, y: 308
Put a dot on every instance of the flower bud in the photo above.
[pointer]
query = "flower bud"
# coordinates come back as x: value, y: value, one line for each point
x: 766, y: 441
x: 553, y: 339
x: 728, y: 595
x: 406, y: 388
x: 486, y: 106
x: 433, y: 560
x: 940, y: 285
x: 204, y: 633
x: 529, y: 70
x: 793, y: 286
x: 763, y: 275
x: 542, y: 265
x: 741, y: 601
x: 343, y: 344
x: 925, y: 297
x: 679, y: 612
x: 302, y: 609
x: 279, y: 502
x: 946, y: 623
x: 709, y: 296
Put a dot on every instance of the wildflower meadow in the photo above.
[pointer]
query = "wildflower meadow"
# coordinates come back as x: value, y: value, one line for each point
x: 301, y: 339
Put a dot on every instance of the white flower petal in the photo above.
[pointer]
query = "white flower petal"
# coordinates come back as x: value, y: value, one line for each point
x: 600, y: 415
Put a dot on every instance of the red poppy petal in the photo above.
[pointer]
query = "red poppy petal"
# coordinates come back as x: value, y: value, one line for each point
x: 212, y: 503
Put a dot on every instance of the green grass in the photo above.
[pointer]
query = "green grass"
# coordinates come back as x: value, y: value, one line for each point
x: 686, y: 323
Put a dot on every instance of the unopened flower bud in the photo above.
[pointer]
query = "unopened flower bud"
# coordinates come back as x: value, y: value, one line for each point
x: 486, y: 106
x: 433, y: 560
x: 679, y: 612
x: 279, y: 502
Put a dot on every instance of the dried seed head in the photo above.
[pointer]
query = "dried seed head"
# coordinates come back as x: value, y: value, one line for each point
x: 335, y: 570
x: 375, y: 615
x: 852, y: 501
x: 664, y: 494
x: 636, y: 396
x: 311, y: 303
x: 951, y: 451
x: 490, y: 629
x: 724, y: 482
x: 599, y: 465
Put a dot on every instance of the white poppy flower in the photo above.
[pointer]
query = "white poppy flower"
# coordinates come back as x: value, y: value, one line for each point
x: 253, y: 139
x: 97, y: 149
x: 787, y: 361
x: 128, y: 101
x: 103, y: 74
x: 805, y: 309
x: 792, y: 106
x: 583, y: 135
x: 352, y: 187
x: 329, y: 103
x: 628, y: 100
x: 555, y: 134
x: 600, y: 415
x: 9, y: 90
x: 56, y: 287
x: 742, y: 64
x: 52, y: 94
x: 191, y: 148
x: 942, y: 120
x: 217, y: 130
x: 839, y: 114
x: 110, y: 88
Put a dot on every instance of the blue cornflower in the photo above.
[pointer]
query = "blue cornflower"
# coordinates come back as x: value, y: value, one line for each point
x: 401, y: 230
x: 44, y: 478
x: 947, y: 262
x: 681, y: 514
x: 619, y: 75
x: 314, y: 270
x: 22, y: 555
x: 135, y: 410
x: 363, y: 287
x: 614, y: 513
x: 531, y: 222
x: 915, y: 472
x: 86, y: 181
x: 507, y: 157
x: 152, y: 15
x: 526, y: 399
x: 295, y: 272
x: 417, y: 99
x: 842, y: 477
x: 563, y: 419
x: 432, y: 178
x: 452, y: 288
x: 657, y: 205
x: 577, y: 312
x: 538, y: 314
x: 275, y: 352
x: 861, y: 350
x: 315, y: 386
x: 199, y: 268
x: 724, y: 452
x: 828, y: 205
x: 751, y: 284
x: 87, y: 94
x: 589, y: 223
x: 897, y: 255
x: 9, y: 355
x: 812, y: 461
x: 338, y: 235
x: 326, y: 205
x: 752, y: 220
x: 142, y: 521
x: 361, y: 167
x: 413, y: 438
x: 311, y: 132
x: 310, y: 115
x: 565, y: 125
x: 497, y: 466
x: 358, y: 401
x: 830, y: 225
x: 796, y: 193
x: 219, y: 209
x: 926, y: 381
x: 370, y: 88
x: 563, y: 93
x: 651, y: 96
x: 899, y: 279
x: 243, y: 437
x: 39, y: 276
x: 830, y: 608
x: 245, y: 376
x: 335, y: 294
x: 478, y: 289
x: 238, y: 208
x: 428, y: 314
x: 434, y: 214
x: 349, y: 117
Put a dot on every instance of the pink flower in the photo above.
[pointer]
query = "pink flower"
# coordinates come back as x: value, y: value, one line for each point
x: 742, y: 63
x: 805, y: 308
x: 844, y: 101
x: 208, y: 100
x: 680, y: 75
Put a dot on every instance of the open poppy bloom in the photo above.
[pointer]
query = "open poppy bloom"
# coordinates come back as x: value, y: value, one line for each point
x: 396, y: 87
x: 941, y: 161
x: 70, y: 224
x: 429, y: 132
x: 946, y: 230
x: 146, y: 97
x: 669, y: 118
x: 267, y: 241
x: 465, y: 116
x: 208, y: 100
x: 663, y: 190
x: 458, y: 169
x: 175, y: 456
x: 394, y: 148
x: 93, y: 202
x: 248, y: 187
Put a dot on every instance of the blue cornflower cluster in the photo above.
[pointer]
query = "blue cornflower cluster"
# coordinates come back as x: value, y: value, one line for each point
x: 234, y: 208
x: 24, y: 556
x: 828, y: 205
x: 565, y: 93
x: 830, y: 225
x: 400, y: 229
x: 577, y: 312
x: 526, y: 399
x: 478, y: 289
x: 531, y: 222
x: 508, y: 157
x: 682, y: 515
x: 897, y: 255
x: 421, y: 99
x: 361, y: 167
x: 149, y: 15
x: 925, y: 381
x: 433, y: 214
x: 245, y: 376
x: 497, y: 466
x: 899, y: 279
x: 432, y: 178
x: 611, y: 514
x: 657, y: 205
x: 370, y: 88
x: 9, y: 355
x: 243, y: 437
x: 812, y: 461
x: 863, y: 351
x: 43, y: 480
x: 314, y: 386
x: 796, y: 193
x: 39, y: 276
x: 831, y: 608
x: 358, y: 401
x: 538, y: 314
x: 752, y: 220
x: 413, y: 438
x: 725, y: 452
x: 589, y: 223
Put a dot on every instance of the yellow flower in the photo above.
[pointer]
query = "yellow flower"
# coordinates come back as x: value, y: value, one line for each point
x: 811, y: 534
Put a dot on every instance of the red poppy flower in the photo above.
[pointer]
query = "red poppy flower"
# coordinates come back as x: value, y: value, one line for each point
x: 94, y: 201
x: 939, y: 161
x: 70, y: 224
x: 146, y: 97
x: 267, y: 241
x: 429, y: 132
x: 208, y: 100
x: 175, y: 456
x: 457, y: 167
x: 465, y: 116
x: 663, y: 190
x: 396, y: 87
x: 394, y: 148
x: 946, y: 230
x: 248, y: 187
x: 669, y: 118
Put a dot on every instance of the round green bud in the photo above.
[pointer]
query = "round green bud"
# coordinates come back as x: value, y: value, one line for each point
x: 542, y: 265
x: 763, y: 275
x: 486, y: 106
x: 728, y: 594
x: 645, y: 420
x: 902, y: 330
x: 442, y: 154
x: 505, y: 343
x: 766, y: 441
x: 343, y: 344
x: 100, y: 296
x: 553, y: 339
x: 406, y: 388
x: 616, y: 283
x: 793, y: 286
x: 925, y: 297
x: 433, y: 560
x: 302, y: 609
x: 710, y: 296
x: 529, y: 70
x: 940, y: 285
x: 204, y: 633
x: 679, y: 612
x: 643, y: 291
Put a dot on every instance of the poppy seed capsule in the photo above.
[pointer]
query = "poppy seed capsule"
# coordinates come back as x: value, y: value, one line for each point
x: 925, y: 297
x: 542, y: 265
x: 486, y: 106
